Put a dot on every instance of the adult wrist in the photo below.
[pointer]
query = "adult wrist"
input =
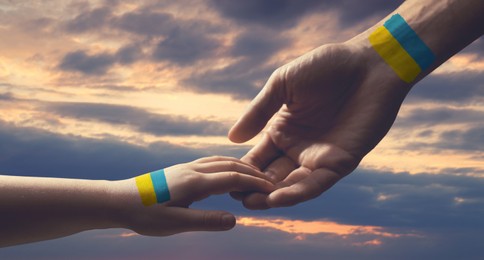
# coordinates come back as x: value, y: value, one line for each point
x: 378, y: 72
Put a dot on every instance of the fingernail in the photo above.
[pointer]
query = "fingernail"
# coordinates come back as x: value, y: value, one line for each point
x: 228, y: 221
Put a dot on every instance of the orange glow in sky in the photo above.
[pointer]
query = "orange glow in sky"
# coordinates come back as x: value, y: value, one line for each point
x: 313, y: 227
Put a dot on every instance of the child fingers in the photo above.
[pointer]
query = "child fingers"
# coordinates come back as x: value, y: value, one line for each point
x: 230, y: 166
x: 223, y: 182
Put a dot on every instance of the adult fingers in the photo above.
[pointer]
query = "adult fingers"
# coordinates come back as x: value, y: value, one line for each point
x: 263, y: 153
x: 256, y: 201
x: 238, y: 195
x: 280, y: 168
x: 276, y: 172
x: 260, y: 110
x: 308, y: 188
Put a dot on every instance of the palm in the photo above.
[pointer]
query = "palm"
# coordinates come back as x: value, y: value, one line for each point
x: 336, y: 110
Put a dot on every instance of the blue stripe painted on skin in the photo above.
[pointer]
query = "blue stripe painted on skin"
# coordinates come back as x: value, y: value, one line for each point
x: 410, y: 41
x: 160, y: 186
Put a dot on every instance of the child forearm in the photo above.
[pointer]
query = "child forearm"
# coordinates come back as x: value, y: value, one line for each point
x: 34, y: 209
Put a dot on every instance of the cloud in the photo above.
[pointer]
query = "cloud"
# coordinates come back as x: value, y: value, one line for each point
x: 286, y: 13
x: 273, y: 13
x: 251, y: 243
x: 300, y: 227
x: 34, y: 152
x: 99, y: 64
x: 184, y: 47
x: 242, y: 79
x: 129, y: 54
x: 370, y: 197
x: 258, y: 44
x: 470, y: 139
x: 80, y: 61
x: 178, y: 41
x: 353, y: 11
x: 477, y: 47
x: 138, y: 119
x: 7, y: 97
x: 239, y: 80
x: 145, y: 22
x: 464, y: 87
x: 443, y: 115
x: 90, y: 20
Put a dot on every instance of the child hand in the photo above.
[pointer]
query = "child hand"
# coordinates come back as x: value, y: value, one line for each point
x: 157, y: 203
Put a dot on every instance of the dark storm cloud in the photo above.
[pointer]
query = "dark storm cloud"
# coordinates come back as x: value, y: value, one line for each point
x: 286, y: 13
x: 80, y: 61
x: 444, y: 115
x: 138, y: 119
x: 463, y: 87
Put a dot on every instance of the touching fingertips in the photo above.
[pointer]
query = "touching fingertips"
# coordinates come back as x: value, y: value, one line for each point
x: 255, y: 201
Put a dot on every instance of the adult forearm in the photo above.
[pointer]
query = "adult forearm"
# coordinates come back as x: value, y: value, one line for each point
x: 445, y: 26
x: 34, y: 209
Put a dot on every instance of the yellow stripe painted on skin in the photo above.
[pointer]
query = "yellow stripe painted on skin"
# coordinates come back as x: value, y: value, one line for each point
x: 394, y: 55
x: 146, y: 190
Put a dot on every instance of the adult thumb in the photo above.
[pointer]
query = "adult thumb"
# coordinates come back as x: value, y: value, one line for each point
x: 260, y: 110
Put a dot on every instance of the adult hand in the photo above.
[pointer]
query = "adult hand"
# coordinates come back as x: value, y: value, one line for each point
x: 331, y: 106
x: 187, y: 183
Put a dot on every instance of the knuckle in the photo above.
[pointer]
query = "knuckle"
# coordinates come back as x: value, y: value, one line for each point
x: 216, y: 157
x: 231, y: 165
x: 253, y: 160
x: 235, y: 178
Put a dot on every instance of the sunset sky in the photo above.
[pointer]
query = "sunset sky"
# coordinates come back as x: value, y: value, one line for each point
x: 112, y: 89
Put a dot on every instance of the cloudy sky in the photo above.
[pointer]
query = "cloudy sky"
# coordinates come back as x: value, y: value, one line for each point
x: 113, y: 89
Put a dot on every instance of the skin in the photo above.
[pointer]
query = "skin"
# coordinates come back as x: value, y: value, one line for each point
x: 330, y: 107
x: 35, y: 209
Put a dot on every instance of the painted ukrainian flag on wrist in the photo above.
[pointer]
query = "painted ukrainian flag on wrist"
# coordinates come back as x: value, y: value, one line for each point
x: 401, y: 48
x: 152, y: 187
